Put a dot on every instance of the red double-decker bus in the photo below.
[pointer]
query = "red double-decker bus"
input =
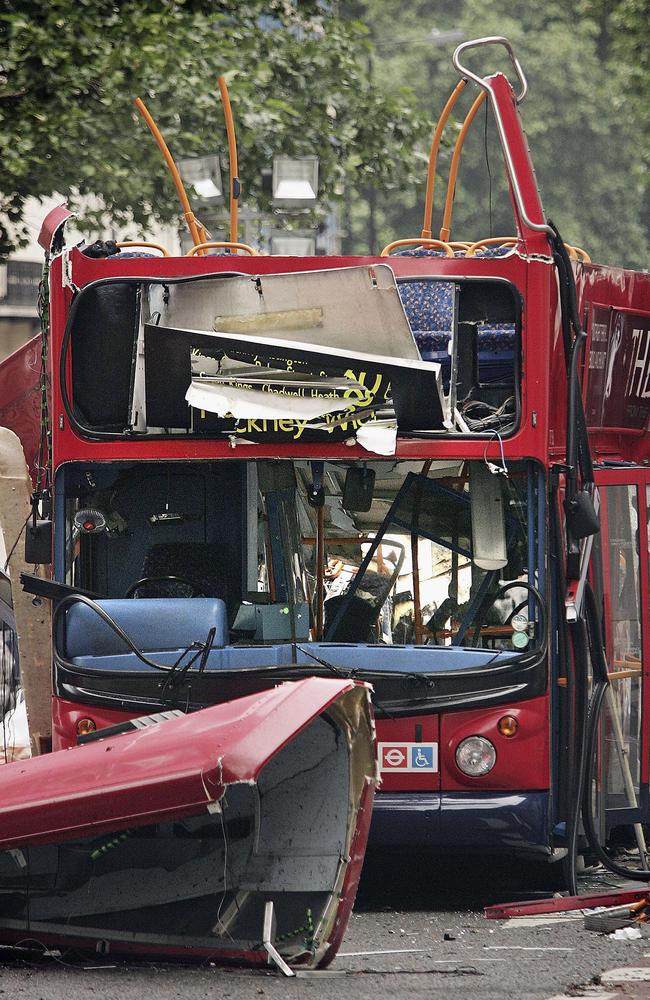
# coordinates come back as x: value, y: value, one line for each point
x: 427, y: 469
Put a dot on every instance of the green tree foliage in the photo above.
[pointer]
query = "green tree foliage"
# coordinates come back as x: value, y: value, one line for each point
x: 585, y: 132
x: 70, y: 69
x: 622, y: 27
x: 584, y: 144
x: 623, y: 44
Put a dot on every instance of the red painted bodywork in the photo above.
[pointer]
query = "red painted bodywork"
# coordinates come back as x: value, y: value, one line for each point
x: 182, y: 764
x: 504, y: 97
x: 20, y: 398
x: 66, y: 715
x: 175, y: 769
x: 52, y: 224
x: 542, y: 430
x: 522, y: 760
x: 529, y: 440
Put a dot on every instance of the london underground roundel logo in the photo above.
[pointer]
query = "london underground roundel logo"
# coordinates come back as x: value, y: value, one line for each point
x: 394, y: 757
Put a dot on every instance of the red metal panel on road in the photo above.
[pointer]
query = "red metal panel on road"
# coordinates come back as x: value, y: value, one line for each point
x: 173, y: 768
x: 559, y: 904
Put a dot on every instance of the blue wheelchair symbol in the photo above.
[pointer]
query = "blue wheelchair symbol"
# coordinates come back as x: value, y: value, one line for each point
x: 422, y: 756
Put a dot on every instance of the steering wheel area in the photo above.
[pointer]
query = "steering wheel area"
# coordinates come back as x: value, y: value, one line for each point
x: 508, y: 626
x: 160, y: 581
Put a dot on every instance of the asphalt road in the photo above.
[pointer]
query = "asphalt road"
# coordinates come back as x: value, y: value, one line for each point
x: 420, y: 916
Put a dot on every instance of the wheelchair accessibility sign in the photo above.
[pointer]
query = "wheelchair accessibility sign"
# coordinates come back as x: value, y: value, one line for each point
x: 408, y: 757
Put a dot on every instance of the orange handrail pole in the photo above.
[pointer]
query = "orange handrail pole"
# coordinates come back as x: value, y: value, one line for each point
x: 235, y: 187
x: 433, y: 157
x: 453, y: 169
x: 190, y: 219
x: 145, y: 243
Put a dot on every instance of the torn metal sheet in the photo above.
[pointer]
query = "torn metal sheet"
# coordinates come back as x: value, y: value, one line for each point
x: 52, y: 227
x: 32, y: 623
x: 379, y: 437
x: 197, y: 823
x: 316, y: 327
x: 349, y: 308
x: 412, y: 390
x: 324, y: 405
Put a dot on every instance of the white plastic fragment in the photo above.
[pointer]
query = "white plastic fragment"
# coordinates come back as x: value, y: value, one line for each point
x: 626, y: 934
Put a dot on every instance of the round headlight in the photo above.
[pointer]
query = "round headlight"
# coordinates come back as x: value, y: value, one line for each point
x: 475, y: 756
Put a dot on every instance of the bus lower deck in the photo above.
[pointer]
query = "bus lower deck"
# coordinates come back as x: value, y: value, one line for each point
x: 213, y: 569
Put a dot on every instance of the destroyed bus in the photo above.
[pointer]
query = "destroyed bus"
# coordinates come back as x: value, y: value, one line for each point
x: 426, y: 470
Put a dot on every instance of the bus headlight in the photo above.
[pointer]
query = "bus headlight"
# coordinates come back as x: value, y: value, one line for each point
x: 475, y: 756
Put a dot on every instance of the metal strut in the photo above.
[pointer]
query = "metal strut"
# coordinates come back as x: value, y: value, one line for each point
x: 486, y: 84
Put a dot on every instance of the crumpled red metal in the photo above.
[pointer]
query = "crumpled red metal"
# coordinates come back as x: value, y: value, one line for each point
x: 264, y: 798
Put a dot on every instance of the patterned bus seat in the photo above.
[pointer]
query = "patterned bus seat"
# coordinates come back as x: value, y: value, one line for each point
x: 428, y: 305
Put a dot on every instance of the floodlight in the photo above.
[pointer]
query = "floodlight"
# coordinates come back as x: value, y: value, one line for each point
x: 203, y: 175
x: 295, y: 181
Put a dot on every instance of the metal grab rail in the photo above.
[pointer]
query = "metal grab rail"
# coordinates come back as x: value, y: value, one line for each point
x: 418, y: 241
x: 433, y: 157
x: 464, y: 248
x: 221, y: 244
x: 145, y: 243
x: 487, y: 86
x: 445, y: 229
x: 196, y: 230
x: 233, y: 167
x: 575, y: 253
x: 497, y: 89
x: 475, y: 43
x: 506, y: 241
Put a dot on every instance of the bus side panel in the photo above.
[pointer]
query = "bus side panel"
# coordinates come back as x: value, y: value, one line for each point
x: 20, y: 396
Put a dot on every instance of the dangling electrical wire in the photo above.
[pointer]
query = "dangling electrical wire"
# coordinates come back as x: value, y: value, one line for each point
x: 487, y: 167
x: 19, y: 536
x: 42, y: 485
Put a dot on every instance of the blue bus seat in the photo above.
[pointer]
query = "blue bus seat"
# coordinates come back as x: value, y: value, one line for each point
x: 428, y: 305
x: 205, y: 564
x: 495, y: 251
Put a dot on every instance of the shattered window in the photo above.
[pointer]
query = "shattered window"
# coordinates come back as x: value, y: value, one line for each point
x: 390, y: 552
